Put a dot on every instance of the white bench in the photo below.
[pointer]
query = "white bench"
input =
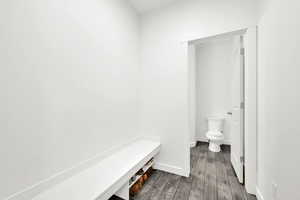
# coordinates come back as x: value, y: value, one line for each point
x: 108, y: 177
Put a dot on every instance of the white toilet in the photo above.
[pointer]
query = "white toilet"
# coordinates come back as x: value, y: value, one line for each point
x: 214, y: 133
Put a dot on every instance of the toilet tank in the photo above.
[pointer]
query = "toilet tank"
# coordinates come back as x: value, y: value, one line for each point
x: 215, y: 123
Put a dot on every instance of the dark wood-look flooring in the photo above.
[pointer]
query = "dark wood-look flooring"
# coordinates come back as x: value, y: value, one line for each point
x: 212, y: 178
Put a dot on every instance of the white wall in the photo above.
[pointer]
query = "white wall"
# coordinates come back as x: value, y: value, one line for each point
x: 69, y: 72
x: 279, y: 99
x: 165, y: 77
x: 214, y: 74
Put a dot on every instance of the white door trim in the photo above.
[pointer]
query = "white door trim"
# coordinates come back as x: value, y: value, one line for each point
x: 250, y: 100
x: 250, y: 42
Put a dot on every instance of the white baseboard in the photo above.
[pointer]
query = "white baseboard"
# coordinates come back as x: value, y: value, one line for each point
x: 33, y: 190
x: 171, y: 169
x: 193, y: 144
x: 202, y: 140
x: 259, y: 195
x: 226, y: 142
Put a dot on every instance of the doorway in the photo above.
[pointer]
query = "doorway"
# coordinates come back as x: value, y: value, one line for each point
x: 240, y: 117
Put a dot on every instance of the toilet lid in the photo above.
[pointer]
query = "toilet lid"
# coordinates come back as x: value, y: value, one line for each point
x: 215, y: 135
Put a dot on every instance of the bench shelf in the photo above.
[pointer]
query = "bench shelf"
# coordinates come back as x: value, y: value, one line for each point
x: 106, y: 178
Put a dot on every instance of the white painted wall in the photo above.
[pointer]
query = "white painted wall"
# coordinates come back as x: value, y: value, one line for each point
x: 69, y: 73
x: 143, y: 6
x: 214, y: 74
x: 279, y: 99
x: 165, y: 75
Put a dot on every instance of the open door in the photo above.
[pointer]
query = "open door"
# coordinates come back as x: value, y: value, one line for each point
x: 237, y: 119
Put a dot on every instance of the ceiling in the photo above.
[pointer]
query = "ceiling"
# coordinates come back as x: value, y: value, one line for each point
x: 146, y: 5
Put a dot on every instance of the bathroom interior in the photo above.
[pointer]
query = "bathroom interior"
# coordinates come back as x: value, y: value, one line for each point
x: 216, y: 90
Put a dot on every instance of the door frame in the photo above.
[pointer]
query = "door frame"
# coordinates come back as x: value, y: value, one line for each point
x: 250, y: 101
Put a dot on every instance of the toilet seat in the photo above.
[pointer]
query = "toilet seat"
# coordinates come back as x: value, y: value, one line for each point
x: 215, y: 135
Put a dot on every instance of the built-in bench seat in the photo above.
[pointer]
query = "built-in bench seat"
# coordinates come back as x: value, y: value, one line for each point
x: 108, y: 177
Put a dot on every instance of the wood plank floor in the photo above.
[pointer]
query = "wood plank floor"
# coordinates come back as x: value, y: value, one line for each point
x: 212, y: 178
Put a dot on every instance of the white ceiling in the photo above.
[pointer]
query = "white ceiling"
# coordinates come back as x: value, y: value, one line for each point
x: 145, y: 5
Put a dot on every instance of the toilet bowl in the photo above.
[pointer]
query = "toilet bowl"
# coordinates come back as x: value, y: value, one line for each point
x: 214, y: 133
